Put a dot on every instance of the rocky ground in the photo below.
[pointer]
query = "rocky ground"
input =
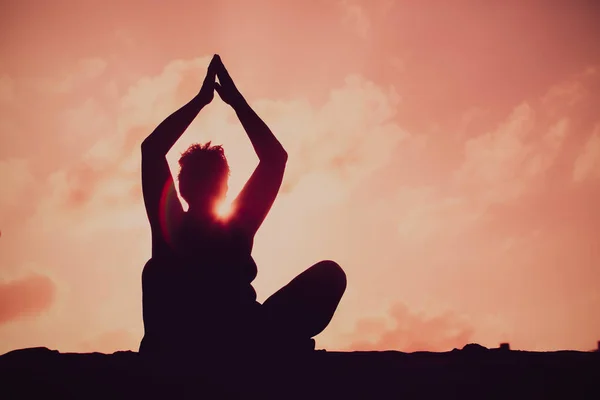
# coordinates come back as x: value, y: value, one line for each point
x: 473, y: 372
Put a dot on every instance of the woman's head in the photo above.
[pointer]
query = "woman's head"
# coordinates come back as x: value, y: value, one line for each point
x: 203, y: 175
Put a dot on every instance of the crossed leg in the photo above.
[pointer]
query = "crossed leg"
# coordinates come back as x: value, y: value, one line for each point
x: 304, y: 307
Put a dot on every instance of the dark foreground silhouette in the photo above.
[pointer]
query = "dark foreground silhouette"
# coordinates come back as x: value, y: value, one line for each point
x: 471, y: 373
x: 197, y: 287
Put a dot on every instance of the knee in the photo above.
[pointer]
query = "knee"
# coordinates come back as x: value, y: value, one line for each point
x: 333, y: 274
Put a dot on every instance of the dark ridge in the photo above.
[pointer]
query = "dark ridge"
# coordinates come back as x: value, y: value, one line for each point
x: 473, y: 372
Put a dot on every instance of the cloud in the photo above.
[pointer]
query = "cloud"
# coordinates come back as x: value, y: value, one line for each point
x: 355, y: 16
x: 151, y: 99
x: 410, y: 332
x: 92, y: 67
x: 501, y: 165
x: 359, y: 15
x: 587, y: 164
x: 17, y: 179
x: 340, y: 143
x: 111, y: 341
x: 564, y: 96
x: 87, y: 119
x: 25, y: 297
x: 425, y: 212
x: 344, y: 140
x: 85, y: 70
x: 109, y: 169
x: 82, y: 200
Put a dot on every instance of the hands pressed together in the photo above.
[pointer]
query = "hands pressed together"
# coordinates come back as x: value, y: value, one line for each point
x: 225, y: 87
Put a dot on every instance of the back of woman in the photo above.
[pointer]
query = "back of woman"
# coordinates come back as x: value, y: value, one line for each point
x: 203, y: 287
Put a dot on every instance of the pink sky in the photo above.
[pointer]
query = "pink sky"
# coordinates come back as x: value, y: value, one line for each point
x: 446, y: 154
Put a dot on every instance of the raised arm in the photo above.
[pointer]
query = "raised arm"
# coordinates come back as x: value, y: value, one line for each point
x: 160, y: 198
x: 256, y: 198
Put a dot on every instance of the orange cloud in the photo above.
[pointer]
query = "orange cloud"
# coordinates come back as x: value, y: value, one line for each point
x: 562, y: 97
x: 111, y: 341
x: 423, y: 155
x: 344, y: 140
x: 86, y: 70
x: 501, y: 165
x: 587, y: 164
x: 17, y: 181
x: 410, y: 332
x: 354, y: 15
x: 25, y: 297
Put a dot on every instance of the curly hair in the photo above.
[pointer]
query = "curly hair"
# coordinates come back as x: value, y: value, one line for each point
x: 201, y: 163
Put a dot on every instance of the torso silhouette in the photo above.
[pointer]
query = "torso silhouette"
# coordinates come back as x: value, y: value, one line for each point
x: 197, y: 290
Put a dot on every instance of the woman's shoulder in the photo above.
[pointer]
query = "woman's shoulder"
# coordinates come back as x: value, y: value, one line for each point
x: 155, y: 267
x: 151, y: 266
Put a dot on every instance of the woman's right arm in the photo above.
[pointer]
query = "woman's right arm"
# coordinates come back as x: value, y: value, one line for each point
x: 160, y: 198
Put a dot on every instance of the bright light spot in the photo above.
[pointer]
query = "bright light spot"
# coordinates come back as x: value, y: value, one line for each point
x: 224, y: 209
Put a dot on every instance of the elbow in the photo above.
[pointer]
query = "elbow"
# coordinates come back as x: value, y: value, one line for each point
x: 278, y: 156
x: 284, y: 156
x: 146, y: 146
x: 151, y: 148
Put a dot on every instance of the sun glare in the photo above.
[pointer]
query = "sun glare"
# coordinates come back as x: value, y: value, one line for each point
x: 224, y: 209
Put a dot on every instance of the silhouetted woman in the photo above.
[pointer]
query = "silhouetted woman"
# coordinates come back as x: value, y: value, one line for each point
x: 197, y: 291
